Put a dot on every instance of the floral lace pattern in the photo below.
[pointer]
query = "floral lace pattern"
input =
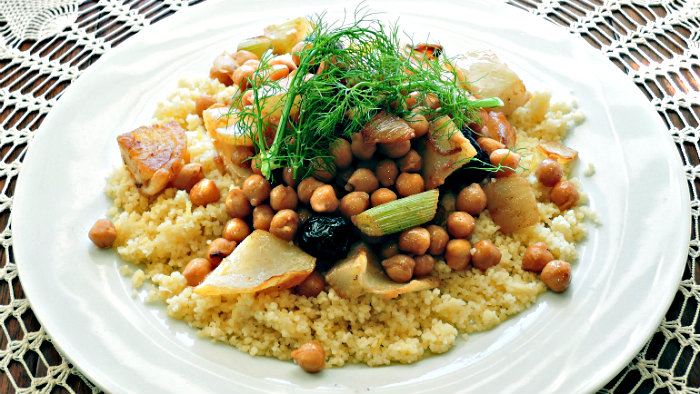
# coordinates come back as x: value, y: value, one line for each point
x: 47, y: 44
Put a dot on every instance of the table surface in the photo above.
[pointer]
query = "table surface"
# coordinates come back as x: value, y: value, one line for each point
x: 655, y: 43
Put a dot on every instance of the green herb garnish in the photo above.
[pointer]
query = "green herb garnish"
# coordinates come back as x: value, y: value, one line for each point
x: 358, y: 67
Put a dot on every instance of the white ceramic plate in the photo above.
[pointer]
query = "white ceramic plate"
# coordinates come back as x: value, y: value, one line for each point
x: 570, y: 343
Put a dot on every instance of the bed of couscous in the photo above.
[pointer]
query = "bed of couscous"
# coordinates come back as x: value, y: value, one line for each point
x: 161, y: 234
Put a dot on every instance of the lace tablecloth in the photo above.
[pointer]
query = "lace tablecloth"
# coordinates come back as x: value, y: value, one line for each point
x: 47, y: 44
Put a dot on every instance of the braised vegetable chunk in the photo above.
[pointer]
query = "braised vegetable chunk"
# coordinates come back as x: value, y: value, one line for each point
x: 512, y: 203
x: 387, y: 128
x: 487, y: 76
x: 260, y: 262
x: 154, y: 155
x: 360, y: 273
x: 446, y: 149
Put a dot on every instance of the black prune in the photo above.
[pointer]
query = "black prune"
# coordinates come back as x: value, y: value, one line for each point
x: 475, y: 171
x: 326, y: 237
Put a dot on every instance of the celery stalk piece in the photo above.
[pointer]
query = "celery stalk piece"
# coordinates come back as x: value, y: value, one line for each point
x: 258, y: 45
x: 398, y: 215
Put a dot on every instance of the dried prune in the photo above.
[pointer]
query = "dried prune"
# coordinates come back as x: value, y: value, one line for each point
x: 326, y: 237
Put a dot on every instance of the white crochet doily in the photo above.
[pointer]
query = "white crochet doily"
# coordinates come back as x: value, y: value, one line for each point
x: 47, y: 44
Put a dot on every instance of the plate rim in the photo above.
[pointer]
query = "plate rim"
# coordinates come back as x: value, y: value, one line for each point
x: 173, y: 20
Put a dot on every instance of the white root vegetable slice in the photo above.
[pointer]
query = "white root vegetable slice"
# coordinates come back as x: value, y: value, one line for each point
x: 487, y: 76
x: 360, y: 273
x: 262, y: 261
x: 511, y: 203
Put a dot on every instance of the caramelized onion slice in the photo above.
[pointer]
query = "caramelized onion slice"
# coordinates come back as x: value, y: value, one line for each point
x: 385, y: 128
x: 557, y: 151
x: 262, y: 261
x: 360, y: 273
x: 511, y: 203
x: 446, y: 150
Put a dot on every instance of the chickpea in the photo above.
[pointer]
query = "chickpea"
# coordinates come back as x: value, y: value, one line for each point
x: 241, y: 76
x: 412, y: 162
x: 395, y: 149
x: 389, y: 249
x: 242, y: 56
x: 422, y: 99
x: 196, y: 270
x: 188, y: 176
x: 362, y: 180
x: 257, y: 189
x: 306, y: 188
x: 255, y: 63
x: 360, y: 149
x: 386, y: 171
x: 354, y: 203
x: 297, y: 49
x: 324, y: 200
x: 458, y: 254
x: 564, y: 194
x: 408, y: 184
x: 471, y: 199
x: 237, y: 204
x: 278, y: 71
x: 415, y: 240
x: 322, y: 170
x: 284, y: 224
x: 418, y: 122
x: 536, y: 257
x: 549, y: 172
x: 460, y: 224
x: 342, y: 154
x: 240, y: 156
x: 285, y: 60
x: 248, y: 98
x: 486, y: 255
x: 312, y: 286
x: 103, y: 233
x: 203, y: 102
x: 288, y: 176
x: 283, y: 197
x: 262, y: 217
x: 556, y: 275
x: 236, y: 229
x: 489, y: 144
x: 412, y: 99
x: 310, y: 356
x: 218, y: 249
x: 438, y: 239
x: 382, y: 196
x: 256, y: 165
x: 507, y: 159
x: 399, y: 268
x: 222, y: 68
x: 204, y: 192
x: 424, y: 265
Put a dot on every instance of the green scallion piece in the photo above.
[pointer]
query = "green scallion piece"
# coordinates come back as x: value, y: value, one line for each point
x: 398, y: 215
